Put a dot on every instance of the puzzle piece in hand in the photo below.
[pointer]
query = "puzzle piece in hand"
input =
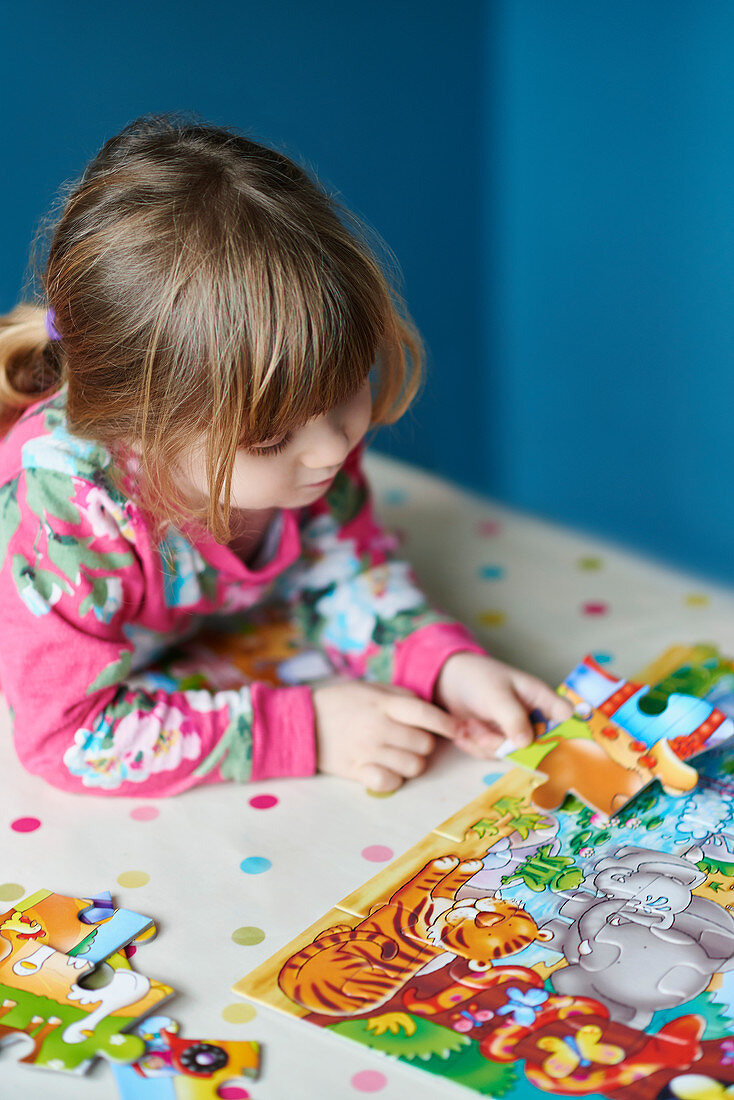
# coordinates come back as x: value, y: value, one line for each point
x: 88, y: 927
x: 61, y: 1004
x: 200, y: 1066
x: 611, y: 748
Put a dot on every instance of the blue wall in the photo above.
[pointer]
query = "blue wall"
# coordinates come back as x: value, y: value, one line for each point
x: 555, y: 180
x: 608, y: 234
x: 381, y: 99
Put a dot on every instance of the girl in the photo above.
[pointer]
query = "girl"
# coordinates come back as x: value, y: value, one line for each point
x: 182, y: 435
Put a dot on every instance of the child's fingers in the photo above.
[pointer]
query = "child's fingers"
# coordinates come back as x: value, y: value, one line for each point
x: 509, y: 714
x: 408, y: 737
x: 412, y: 711
x: 536, y: 695
x: 378, y: 778
x: 478, y: 739
x: 401, y: 761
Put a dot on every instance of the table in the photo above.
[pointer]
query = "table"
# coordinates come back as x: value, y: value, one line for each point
x: 538, y: 595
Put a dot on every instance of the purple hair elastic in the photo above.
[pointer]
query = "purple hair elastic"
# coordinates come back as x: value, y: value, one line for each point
x: 49, y: 319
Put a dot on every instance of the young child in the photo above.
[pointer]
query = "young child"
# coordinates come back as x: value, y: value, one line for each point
x: 183, y: 421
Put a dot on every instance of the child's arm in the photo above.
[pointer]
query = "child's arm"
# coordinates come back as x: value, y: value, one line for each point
x: 355, y: 599
x: 71, y: 582
x: 360, y: 603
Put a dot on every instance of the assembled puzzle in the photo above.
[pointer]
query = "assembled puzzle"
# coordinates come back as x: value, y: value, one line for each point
x: 541, y: 943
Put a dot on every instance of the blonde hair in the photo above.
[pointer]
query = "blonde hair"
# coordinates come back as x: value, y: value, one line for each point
x: 204, y: 285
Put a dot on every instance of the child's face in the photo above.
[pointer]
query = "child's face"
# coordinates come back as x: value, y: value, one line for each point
x: 293, y: 471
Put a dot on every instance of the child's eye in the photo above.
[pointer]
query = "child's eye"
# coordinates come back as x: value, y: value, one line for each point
x: 272, y: 448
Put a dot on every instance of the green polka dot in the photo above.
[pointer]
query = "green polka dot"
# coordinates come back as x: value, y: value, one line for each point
x: 246, y: 937
x: 9, y: 891
x: 590, y: 564
x: 239, y: 1013
x: 133, y: 878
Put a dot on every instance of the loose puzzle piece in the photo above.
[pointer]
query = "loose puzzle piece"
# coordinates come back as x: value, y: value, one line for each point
x: 578, y: 956
x: 184, y: 1069
x: 71, y: 1012
x: 621, y: 736
x: 88, y: 927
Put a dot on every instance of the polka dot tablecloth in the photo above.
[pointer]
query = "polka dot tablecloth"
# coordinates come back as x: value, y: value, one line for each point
x: 232, y: 873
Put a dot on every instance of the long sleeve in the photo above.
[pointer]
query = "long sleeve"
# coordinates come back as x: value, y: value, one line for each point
x: 72, y: 586
x: 359, y: 602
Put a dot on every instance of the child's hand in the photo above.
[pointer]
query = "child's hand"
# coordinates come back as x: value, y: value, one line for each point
x: 376, y: 733
x: 494, y: 702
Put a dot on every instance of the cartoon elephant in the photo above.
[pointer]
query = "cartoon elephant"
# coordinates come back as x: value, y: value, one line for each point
x: 643, y: 941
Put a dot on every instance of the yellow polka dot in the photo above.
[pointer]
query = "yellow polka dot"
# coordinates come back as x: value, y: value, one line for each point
x: 697, y: 599
x: 492, y: 618
x: 590, y: 564
x: 379, y: 794
x: 133, y: 878
x: 9, y: 891
x: 239, y: 1013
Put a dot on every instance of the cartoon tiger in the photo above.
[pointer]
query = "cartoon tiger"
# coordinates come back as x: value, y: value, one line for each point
x: 351, y: 970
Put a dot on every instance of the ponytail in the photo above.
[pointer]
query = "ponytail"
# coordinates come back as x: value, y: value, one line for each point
x: 30, y: 362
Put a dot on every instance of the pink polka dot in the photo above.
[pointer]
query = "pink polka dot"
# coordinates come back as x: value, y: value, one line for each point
x: 232, y: 1092
x: 368, y: 1080
x: 144, y: 813
x: 595, y: 608
x: 488, y: 527
x: 25, y: 824
x: 263, y: 801
x: 377, y: 853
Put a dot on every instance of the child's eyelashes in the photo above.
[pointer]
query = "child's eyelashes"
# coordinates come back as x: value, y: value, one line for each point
x: 271, y: 448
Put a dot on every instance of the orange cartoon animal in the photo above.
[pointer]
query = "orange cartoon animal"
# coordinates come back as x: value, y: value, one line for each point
x: 351, y: 970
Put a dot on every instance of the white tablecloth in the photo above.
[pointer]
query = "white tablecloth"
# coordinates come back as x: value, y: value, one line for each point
x: 537, y: 595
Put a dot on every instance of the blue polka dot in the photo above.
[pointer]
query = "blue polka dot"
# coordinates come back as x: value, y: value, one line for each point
x: 491, y: 777
x: 491, y: 572
x: 395, y: 496
x: 604, y: 658
x: 255, y: 865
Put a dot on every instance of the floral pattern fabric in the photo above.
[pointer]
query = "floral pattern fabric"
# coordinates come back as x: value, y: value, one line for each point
x: 140, y: 668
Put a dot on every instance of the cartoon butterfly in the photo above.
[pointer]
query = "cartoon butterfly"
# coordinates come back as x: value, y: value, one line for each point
x: 581, y: 1049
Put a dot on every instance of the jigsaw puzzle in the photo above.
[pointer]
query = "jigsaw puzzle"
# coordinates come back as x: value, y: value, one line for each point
x: 567, y: 951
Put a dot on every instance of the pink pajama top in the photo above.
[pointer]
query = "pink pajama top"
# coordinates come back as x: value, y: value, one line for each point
x: 90, y: 605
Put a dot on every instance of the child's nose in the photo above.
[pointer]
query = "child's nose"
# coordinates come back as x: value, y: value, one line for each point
x: 325, y: 443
